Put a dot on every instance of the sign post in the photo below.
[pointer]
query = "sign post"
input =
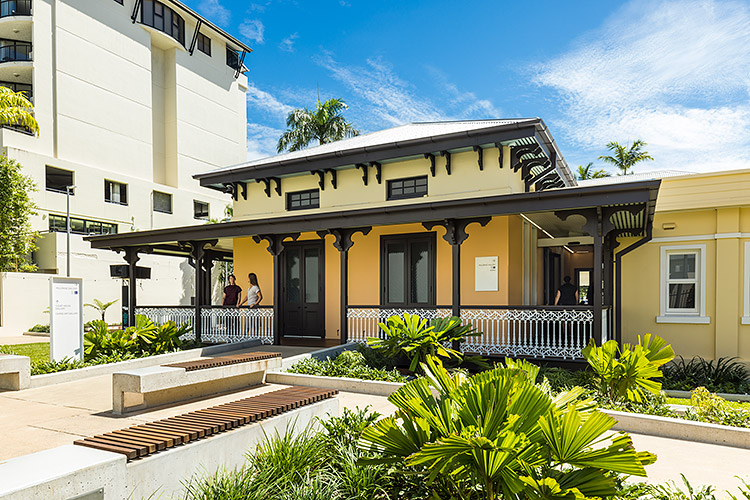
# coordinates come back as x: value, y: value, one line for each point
x: 66, y: 318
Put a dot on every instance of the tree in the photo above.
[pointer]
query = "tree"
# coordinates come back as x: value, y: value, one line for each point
x: 586, y: 172
x: 624, y: 158
x: 16, y: 109
x: 16, y: 208
x: 101, y: 306
x: 324, y: 124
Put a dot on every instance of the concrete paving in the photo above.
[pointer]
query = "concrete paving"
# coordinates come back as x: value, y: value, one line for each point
x: 46, y: 417
x: 23, y: 339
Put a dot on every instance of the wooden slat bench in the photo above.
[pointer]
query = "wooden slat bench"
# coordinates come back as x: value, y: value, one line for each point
x: 145, y: 439
x: 158, y: 385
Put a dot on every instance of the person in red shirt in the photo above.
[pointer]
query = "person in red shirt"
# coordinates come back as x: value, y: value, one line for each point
x: 232, y: 293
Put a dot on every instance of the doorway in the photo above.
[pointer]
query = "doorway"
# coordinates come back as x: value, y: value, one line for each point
x: 552, y: 275
x: 583, y: 282
x: 303, y: 292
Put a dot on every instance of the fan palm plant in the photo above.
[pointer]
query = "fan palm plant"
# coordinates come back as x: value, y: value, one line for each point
x: 624, y: 158
x: 500, y: 435
x: 323, y: 124
x: 101, y: 306
x: 16, y: 109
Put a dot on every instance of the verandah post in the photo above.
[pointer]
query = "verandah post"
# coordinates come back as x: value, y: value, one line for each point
x: 597, y: 332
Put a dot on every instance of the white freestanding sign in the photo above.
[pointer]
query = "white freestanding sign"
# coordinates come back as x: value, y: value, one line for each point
x: 485, y: 274
x: 66, y: 318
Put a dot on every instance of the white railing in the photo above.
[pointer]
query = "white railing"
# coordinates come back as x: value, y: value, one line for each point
x: 182, y: 315
x: 362, y: 321
x: 529, y: 331
x: 606, y: 324
x: 234, y: 324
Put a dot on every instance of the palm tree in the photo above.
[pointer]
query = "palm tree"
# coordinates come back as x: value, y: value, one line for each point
x: 16, y: 109
x: 101, y: 306
x: 624, y: 158
x: 324, y: 124
x: 586, y: 172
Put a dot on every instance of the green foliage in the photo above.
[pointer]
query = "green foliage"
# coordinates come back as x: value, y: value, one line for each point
x: 349, y: 364
x: 723, y: 375
x: 346, y: 429
x: 586, y: 172
x: 16, y: 109
x: 707, y: 407
x: 16, y: 208
x: 323, y: 124
x: 145, y: 338
x: 499, y: 435
x: 101, y: 306
x: 38, y: 352
x: 416, y: 338
x: 626, y: 372
x: 625, y: 158
x: 288, y: 456
x: 561, y: 379
x: 57, y: 366
x: 671, y: 491
x: 39, y: 329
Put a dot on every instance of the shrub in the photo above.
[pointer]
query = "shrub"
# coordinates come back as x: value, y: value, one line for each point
x: 143, y: 339
x: 289, y: 456
x: 707, y: 407
x: 626, y: 372
x: 561, y: 379
x: 39, y: 329
x: 499, y: 435
x: 346, y: 429
x: 351, y: 365
x: 722, y: 375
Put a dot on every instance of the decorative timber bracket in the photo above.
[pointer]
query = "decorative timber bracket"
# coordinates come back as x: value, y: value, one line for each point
x: 378, y: 171
x: 334, y: 178
x: 591, y: 215
x: 610, y: 213
x: 343, y: 237
x: 480, y: 156
x: 363, y: 168
x: 275, y: 241
x: 447, y: 156
x: 499, y: 153
x: 267, y: 185
x: 321, y: 178
x: 455, y: 229
x: 431, y: 157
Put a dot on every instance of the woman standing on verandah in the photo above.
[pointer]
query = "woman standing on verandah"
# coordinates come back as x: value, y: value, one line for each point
x: 254, y: 295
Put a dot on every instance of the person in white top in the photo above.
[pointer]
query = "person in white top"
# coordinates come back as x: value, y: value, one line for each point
x: 254, y: 295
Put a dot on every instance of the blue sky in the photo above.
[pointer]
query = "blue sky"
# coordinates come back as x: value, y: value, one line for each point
x: 673, y: 73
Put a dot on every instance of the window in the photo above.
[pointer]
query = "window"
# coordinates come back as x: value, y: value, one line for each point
x: 302, y: 200
x: 162, y: 202
x: 115, y: 192
x: 160, y: 17
x: 233, y: 59
x: 412, y: 187
x: 204, y: 44
x: 200, y: 210
x: 683, y: 285
x: 58, y: 223
x: 407, y: 266
x: 56, y: 179
x: 20, y: 87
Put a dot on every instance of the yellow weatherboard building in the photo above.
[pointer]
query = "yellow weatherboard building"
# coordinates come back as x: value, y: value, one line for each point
x: 477, y: 219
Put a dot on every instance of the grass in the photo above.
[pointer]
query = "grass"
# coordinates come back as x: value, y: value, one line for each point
x: 38, y: 352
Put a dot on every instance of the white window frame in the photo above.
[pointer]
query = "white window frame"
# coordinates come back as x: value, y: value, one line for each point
x: 697, y: 316
x: 746, y: 314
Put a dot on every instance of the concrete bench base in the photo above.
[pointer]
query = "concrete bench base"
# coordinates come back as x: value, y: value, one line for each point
x: 159, y: 385
x: 15, y: 372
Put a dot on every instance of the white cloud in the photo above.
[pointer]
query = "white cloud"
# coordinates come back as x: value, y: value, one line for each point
x: 265, y: 101
x: 287, y: 44
x: 214, y: 11
x: 673, y: 73
x: 388, y: 100
x: 252, y: 30
x: 261, y: 141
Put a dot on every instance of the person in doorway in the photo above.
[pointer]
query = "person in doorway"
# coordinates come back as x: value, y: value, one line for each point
x: 254, y: 295
x: 232, y: 293
x: 567, y: 294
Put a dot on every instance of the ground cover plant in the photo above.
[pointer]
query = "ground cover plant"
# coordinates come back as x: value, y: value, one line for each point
x: 351, y: 364
x: 723, y: 375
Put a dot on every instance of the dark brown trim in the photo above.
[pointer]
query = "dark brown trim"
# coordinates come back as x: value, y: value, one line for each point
x: 407, y: 239
x: 545, y: 201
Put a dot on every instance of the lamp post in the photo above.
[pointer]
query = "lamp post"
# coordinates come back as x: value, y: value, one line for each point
x: 67, y: 226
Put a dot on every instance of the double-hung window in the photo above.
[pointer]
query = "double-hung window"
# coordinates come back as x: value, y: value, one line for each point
x: 162, y: 202
x: 204, y: 44
x: 683, y: 285
x: 407, y: 266
x: 115, y: 192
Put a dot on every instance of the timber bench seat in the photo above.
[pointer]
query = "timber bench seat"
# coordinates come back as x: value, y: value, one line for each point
x: 15, y: 372
x: 145, y: 439
x: 158, y: 385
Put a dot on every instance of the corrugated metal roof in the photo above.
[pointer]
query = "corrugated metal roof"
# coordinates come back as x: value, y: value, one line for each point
x: 411, y: 131
x: 640, y: 176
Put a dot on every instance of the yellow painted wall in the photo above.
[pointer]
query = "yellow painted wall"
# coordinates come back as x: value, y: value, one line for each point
x: 465, y: 181
x: 709, y: 209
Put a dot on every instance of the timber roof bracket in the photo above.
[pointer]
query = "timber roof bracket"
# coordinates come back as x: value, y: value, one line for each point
x: 378, y: 171
x: 499, y: 153
x: 277, y: 180
x: 266, y: 185
x: 334, y: 181
x: 480, y: 156
x: 447, y: 156
x: 455, y: 229
x: 321, y: 178
x: 431, y: 157
x: 363, y: 168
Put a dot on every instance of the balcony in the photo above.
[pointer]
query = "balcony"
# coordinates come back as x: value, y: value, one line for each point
x: 14, y: 51
x: 12, y: 8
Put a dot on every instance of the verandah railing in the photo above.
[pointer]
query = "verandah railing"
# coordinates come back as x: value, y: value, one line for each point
x: 218, y: 323
x: 534, y: 331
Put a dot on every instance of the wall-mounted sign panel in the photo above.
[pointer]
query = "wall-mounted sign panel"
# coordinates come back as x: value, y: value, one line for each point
x: 485, y: 274
x: 66, y: 318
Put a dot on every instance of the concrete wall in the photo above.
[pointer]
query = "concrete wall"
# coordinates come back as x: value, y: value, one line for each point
x: 711, y: 212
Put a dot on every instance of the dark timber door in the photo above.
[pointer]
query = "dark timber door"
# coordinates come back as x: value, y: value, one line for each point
x: 303, y: 309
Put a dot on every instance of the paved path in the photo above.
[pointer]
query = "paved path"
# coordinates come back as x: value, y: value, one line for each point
x: 23, y: 339
x: 37, y: 419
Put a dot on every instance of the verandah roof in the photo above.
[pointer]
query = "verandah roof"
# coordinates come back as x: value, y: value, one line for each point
x: 631, y: 207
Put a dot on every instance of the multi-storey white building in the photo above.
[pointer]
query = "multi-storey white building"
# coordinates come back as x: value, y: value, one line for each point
x: 132, y: 97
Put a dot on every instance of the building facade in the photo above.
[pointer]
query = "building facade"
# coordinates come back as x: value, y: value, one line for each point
x: 133, y: 97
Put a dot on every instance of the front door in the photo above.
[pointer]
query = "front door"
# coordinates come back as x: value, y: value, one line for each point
x: 303, y: 309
